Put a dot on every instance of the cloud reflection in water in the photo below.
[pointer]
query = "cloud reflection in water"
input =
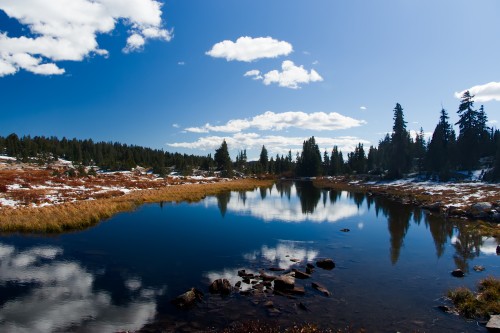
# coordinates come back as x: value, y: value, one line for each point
x: 60, y: 296
x: 279, y: 207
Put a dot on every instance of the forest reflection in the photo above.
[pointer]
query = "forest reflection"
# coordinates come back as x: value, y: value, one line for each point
x: 300, y: 201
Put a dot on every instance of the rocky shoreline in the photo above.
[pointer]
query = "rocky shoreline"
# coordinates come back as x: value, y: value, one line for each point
x: 479, y: 202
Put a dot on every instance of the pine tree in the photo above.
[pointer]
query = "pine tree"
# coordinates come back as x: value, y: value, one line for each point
x: 441, y: 152
x: 400, y: 159
x: 468, y: 138
x: 223, y: 161
x: 263, y: 159
x: 309, y: 162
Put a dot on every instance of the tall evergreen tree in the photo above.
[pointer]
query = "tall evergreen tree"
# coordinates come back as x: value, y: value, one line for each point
x: 309, y: 162
x: 468, y: 138
x: 400, y: 159
x: 263, y: 159
x: 222, y: 160
x: 440, y: 155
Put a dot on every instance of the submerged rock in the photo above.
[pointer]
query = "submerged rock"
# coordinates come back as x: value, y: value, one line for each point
x: 320, y: 288
x: 325, y: 264
x: 220, y: 286
x: 458, y: 273
x: 479, y: 268
x: 188, y: 299
x: 300, y: 275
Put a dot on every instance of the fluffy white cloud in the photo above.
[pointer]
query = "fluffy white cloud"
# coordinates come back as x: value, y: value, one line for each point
x: 291, y: 76
x: 275, y: 144
x: 67, y: 30
x: 484, y: 93
x: 363, y: 108
x: 250, y: 49
x: 318, y: 121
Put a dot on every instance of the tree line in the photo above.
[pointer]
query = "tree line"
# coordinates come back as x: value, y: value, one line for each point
x: 396, y: 154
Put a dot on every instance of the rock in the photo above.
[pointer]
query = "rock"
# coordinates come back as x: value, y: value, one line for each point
x: 498, y: 250
x: 345, y: 230
x: 479, y: 268
x: 445, y: 308
x: 433, y: 207
x: 269, y: 304
x: 242, y: 273
x: 325, y: 264
x: 238, y: 284
x: 188, y: 299
x: 320, y: 288
x: 300, y: 275
x: 220, y: 286
x: 494, y: 323
x: 295, y: 260
x: 266, y: 277
x: 309, y: 265
x: 284, y: 282
x: 276, y: 269
x: 246, y: 280
x: 309, y: 270
x: 297, y: 290
x: 455, y: 211
x: 458, y: 273
x: 480, y: 209
x: 495, y: 217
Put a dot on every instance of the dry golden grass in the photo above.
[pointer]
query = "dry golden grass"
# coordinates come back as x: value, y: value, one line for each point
x: 83, y: 214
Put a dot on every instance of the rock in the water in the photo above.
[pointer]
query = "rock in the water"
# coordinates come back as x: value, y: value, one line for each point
x: 276, y: 269
x: 266, y: 277
x: 220, y: 286
x: 494, y: 323
x: 498, y: 250
x: 284, y: 282
x: 309, y: 265
x: 269, y: 304
x: 320, y: 288
x: 309, y: 270
x: 345, y: 230
x: 238, y: 284
x: 297, y: 290
x: 479, y: 268
x: 188, y: 299
x: 242, y: 273
x: 458, y: 273
x: 300, y: 275
x: 480, y: 209
x: 445, y: 308
x: 325, y: 264
x: 295, y: 260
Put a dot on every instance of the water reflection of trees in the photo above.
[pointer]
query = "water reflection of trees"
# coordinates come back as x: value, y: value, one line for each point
x: 441, y: 230
x: 467, y: 246
x: 309, y: 196
x: 285, y: 188
x: 222, y: 201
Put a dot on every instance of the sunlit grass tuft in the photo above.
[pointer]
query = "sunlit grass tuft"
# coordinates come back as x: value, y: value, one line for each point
x: 481, y: 305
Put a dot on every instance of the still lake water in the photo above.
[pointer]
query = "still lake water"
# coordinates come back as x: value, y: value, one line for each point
x: 392, y: 268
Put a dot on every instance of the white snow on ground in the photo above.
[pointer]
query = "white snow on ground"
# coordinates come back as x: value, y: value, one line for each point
x: 7, y: 202
x: 7, y: 158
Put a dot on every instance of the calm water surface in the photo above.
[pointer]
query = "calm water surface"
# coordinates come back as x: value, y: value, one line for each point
x: 392, y: 267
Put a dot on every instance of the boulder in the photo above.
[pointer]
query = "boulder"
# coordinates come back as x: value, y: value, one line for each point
x: 188, y: 299
x: 494, y: 323
x: 220, y: 286
x: 321, y: 288
x: 325, y: 264
x: 284, y: 282
x: 458, y: 273
x: 480, y: 209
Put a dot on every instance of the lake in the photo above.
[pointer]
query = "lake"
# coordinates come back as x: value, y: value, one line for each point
x: 392, y: 266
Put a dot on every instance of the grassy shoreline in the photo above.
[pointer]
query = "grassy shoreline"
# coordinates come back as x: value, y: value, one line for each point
x: 86, y: 213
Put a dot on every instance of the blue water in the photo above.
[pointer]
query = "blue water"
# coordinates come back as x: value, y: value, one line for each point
x: 392, y: 267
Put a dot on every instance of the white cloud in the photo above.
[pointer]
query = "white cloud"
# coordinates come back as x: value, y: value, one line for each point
x: 291, y: 76
x: 318, y: 121
x: 254, y: 73
x: 250, y: 49
x: 315, y: 62
x: 175, y: 125
x: 363, y: 108
x: 181, y: 63
x: 61, y: 30
x: 275, y: 144
x: 483, y: 93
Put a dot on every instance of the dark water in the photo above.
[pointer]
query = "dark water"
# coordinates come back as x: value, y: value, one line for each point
x: 392, y: 267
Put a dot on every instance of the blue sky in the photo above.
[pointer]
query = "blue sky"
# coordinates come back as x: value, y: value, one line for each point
x: 171, y: 74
